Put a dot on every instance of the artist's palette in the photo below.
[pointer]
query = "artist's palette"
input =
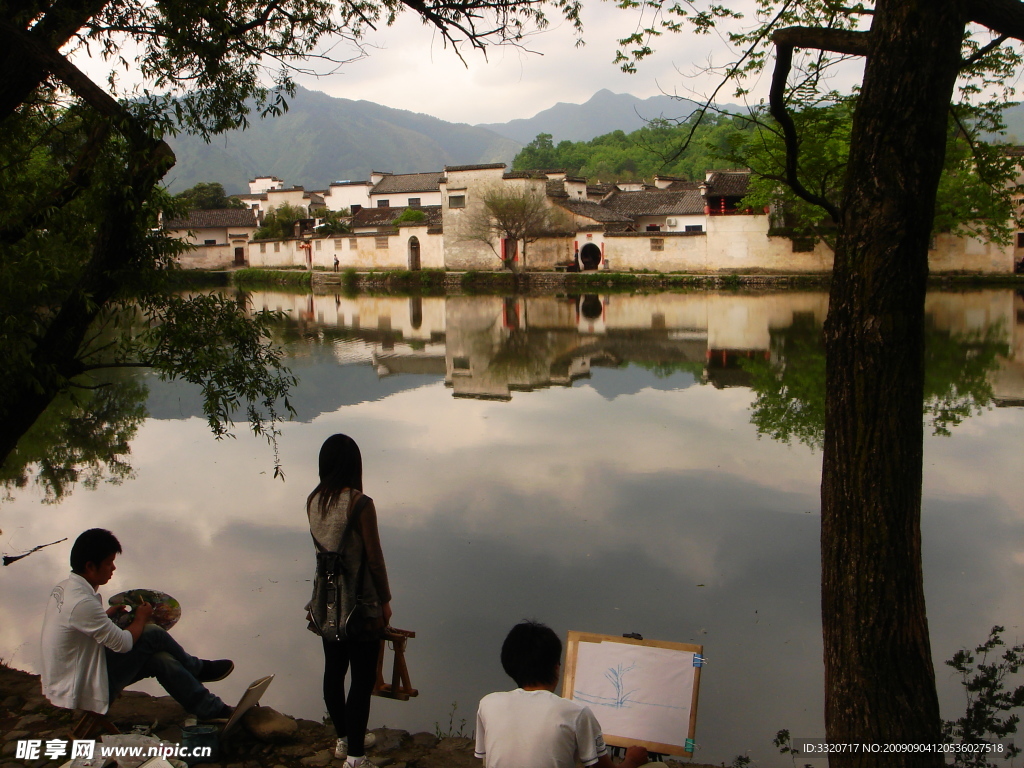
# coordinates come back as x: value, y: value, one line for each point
x: 166, y: 610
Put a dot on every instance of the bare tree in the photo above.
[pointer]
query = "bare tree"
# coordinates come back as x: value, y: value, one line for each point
x: 517, y: 214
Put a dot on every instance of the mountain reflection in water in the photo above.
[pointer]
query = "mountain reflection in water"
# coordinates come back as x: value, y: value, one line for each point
x: 598, y: 462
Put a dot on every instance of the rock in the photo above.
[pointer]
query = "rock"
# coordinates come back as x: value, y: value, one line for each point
x: 12, y: 702
x: 269, y: 725
x: 295, y: 750
x: 424, y: 739
x: 33, y: 703
x: 380, y: 760
x: 320, y: 759
x: 9, y: 749
x: 389, y: 739
x: 455, y: 744
x: 28, y: 720
x: 15, y: 735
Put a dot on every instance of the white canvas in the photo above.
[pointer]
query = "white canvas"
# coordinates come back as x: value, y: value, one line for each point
x: 636, y: 691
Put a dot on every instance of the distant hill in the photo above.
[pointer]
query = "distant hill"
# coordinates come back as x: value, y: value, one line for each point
x: 603, y: 113
x: 321, y: 139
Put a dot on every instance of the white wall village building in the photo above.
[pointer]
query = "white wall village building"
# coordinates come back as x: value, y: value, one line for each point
x: 674, y: 225
x: 219, y: 237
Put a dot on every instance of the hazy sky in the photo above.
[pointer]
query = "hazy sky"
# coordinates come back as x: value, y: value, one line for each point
x: 407, y: 67
x: 411, y: 69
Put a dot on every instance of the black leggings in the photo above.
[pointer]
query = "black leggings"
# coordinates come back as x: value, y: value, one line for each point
x: 350, y: 717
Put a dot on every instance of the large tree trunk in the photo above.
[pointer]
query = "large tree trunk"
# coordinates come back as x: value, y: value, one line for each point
x: 879, y: 678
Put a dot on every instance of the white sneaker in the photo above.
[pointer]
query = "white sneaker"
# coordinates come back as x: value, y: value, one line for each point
x: 356, y: 762
x: 341, y: 749
x: 341, y: 745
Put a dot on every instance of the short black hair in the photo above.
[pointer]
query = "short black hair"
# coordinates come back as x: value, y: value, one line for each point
x: 93, y: 546
x: 531, y: 654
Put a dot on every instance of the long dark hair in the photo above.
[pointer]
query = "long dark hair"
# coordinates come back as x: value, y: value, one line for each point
x: 341, y: 468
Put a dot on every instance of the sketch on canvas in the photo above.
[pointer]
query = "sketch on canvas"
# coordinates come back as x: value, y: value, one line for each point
x: 637, y: 692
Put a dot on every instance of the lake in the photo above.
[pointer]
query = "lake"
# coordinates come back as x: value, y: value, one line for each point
x: 602, y: 463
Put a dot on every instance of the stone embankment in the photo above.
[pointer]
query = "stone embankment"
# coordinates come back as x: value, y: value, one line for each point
x: 268, y: 740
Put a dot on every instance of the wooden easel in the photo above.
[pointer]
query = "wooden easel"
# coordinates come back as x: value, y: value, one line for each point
x: 400, y: 688
x: 91, y: 724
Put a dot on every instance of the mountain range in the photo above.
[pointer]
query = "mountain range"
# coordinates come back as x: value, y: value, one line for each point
x: 321, y: 139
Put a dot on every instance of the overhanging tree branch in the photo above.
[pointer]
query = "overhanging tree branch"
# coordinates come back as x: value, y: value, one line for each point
x: 835, y: 40
x: 1005, y: 17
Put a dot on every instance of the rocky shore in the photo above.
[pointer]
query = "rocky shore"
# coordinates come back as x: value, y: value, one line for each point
x: 267, y: 740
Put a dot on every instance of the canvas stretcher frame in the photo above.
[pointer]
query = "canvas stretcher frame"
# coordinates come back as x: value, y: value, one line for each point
x: 622, y: 646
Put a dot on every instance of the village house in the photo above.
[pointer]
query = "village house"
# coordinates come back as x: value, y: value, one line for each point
x: 219, y: 237
x: 674, y: 225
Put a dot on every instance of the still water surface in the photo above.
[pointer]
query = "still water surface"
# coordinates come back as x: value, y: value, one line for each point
x: 601, y: 463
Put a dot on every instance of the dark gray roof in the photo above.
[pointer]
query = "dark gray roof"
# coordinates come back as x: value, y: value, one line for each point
x: 556, y: 188
x: 592, y: 210
x: 728, y: 183
x: 408, y: 182
x: 215, y: 217
x: 523, y: 175
x: 385, y: 217
x: 656, y: 202
x: 349, y: 183
x: 484, y: 167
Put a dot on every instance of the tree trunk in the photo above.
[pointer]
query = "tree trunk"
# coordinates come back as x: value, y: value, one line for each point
x: 879, y: 678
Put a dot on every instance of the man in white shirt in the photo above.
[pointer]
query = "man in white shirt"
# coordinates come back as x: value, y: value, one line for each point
x: 87, y: 659
x: 531, y: 727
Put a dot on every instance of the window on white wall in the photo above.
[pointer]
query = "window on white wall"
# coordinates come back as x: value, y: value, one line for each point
x: 353, y: 243
x: 456, y: 201
x: 414, y: 202
x: 383, y: 203
x: 337, y: 245
x: 277, y: 247
x: 694, y: 227
x: 263, y: 247
x: 381, y: 243
x: 318, y: 244
x: 657, y: 244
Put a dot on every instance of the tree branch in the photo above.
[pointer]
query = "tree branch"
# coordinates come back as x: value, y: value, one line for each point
x: 845, y: 41
x: 982, y: 52
x: 1005, y: 17
x: 777, y: 100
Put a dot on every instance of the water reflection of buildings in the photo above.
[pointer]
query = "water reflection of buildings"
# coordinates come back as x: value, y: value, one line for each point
x: 490, y: 346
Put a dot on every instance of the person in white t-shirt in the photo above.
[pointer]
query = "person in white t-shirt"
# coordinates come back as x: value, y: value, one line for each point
x: 87, y: 659
x: 531, y: 727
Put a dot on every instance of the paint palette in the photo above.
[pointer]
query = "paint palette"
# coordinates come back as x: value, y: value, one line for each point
x: 166, y: 610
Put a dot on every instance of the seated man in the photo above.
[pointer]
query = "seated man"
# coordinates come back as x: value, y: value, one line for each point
x: 531, y: 727
x: 87, y: 659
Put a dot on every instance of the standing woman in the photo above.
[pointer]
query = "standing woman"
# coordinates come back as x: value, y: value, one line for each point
x: 351, y: 602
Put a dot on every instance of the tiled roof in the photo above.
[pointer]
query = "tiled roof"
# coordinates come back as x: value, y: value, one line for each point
x: 682, y: 184
x: 408, y: 182
x: 484, y: 167
x: 656, y: 202
x: 249, y: 196
x: 385, y: 217
x: 347, y: 183
x: 728, y: 183
x: 523, y: 175
x: 593, y: 211
x: 216, y: 217
x: 556, y: 188
x: 314, y: 197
